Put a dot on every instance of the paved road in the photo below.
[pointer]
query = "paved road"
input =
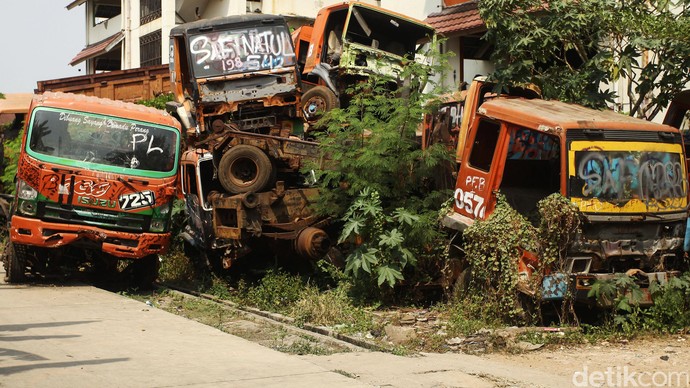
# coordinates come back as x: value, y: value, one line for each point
x: 81, y: 336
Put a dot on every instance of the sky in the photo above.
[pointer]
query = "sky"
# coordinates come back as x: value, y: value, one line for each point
x: 38, y: 38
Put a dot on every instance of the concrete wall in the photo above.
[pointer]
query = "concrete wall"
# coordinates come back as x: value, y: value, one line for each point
x: 414, y: 8
x: 305, y: 8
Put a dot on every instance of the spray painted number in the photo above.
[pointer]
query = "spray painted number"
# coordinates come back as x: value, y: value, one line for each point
x: 137, y: 200
x: 471, y: 202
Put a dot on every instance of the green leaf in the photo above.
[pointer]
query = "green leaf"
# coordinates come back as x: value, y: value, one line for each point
x: 388, y: 275
x: 391, y: 239
x: 405, y: 217
x: 351, y: 227
x: 369, y: 258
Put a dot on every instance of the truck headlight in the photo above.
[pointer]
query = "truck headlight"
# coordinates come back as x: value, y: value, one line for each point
x: 157, y: 225
x: 27, y: 207
x: 24, y: 191
x: 164, y: 209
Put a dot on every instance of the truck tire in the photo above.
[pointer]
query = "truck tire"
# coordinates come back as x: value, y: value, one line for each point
x: 244, y: 168
x: 317, y: 101
x: 15, y: 264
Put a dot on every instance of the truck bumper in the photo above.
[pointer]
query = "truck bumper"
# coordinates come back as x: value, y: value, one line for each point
x: 556, y: 285
x: 34, y: 232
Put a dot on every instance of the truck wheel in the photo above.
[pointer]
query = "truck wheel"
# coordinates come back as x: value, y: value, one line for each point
x: 15, y: 264
x: 317, y: 101
x: 244, y: 168
x: 146, y: 271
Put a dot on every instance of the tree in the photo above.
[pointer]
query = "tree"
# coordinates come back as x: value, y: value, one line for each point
x: 572, y: 49
x: 376, y: 178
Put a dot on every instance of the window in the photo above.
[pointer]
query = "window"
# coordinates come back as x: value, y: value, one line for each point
x: 103, y: 12
x: 531, y: 169
x: 484, y: 144
x: 149, y: 10
x: 150, y: 49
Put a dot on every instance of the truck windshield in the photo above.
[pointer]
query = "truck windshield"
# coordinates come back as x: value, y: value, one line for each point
x: 385, y: 32
x: 111, y: 143
x: 627, y: 177
x: 220, y: 53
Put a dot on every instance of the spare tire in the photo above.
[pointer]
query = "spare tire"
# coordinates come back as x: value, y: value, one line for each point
x: 244, y: 168
x: 317, y: 101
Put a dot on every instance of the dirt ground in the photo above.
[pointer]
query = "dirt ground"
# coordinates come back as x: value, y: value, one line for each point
x: 656, y: 358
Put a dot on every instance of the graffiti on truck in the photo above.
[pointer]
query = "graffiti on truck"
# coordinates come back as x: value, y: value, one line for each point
x: 82, y: 138
x: 655, y: 178
x: 532, y: 145
x: 237, y: 51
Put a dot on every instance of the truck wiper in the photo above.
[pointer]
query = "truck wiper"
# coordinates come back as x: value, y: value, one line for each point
x: 62, y: 170
x: 132, y: 180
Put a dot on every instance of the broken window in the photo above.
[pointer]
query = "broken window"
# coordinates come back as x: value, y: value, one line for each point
x: 532, y: 168
x: 484, y: 144
x: 80, y: 139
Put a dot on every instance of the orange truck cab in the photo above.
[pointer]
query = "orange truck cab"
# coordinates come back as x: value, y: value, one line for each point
x: 350, y: 41
x: 95, y: 183
x: 626, y: 176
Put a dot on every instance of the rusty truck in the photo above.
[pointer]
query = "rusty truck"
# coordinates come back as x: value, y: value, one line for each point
x: 95, y: 185
x: 626, y: 176
x: 237, y: 93
x: 347, y: 43
x: 238, y: 89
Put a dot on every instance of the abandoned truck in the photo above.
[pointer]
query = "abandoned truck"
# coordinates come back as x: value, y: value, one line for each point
x: 348, y: 42
x: 626, y: 176
x: 235, y: 82
x: 237, y: 91
x: 95, y: 183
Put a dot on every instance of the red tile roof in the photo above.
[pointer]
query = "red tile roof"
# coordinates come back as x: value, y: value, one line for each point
x: 97, y: 48
x: 461, y: 19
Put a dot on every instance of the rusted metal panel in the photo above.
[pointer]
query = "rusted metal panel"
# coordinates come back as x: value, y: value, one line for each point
x: 126, y: 85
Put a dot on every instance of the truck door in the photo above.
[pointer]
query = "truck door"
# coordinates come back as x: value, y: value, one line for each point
x: 473, y: 195
x: 531, y: 168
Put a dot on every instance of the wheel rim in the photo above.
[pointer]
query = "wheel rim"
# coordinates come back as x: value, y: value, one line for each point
x: 243, y: 172
x: 314, y: 106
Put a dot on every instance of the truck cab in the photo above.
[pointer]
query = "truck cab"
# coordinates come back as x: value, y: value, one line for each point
x: 96, y: 180
x: 626, y: 176
x: 348, y: 42
x: 234, y: 73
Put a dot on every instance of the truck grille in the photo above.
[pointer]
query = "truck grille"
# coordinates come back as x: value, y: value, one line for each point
x: 94, y: 217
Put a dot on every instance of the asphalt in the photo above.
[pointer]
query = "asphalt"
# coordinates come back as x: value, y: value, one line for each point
x: 82, y: 336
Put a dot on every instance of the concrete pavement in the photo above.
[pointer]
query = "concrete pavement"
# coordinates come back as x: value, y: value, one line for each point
x: 81, y: 336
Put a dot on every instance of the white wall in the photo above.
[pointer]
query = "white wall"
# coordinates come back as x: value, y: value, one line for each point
x: 413, y: 8
x: 476, y: 67
x: 216, y: 8
x: 104, y: 30
x: 306, y: 8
